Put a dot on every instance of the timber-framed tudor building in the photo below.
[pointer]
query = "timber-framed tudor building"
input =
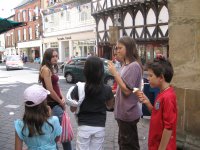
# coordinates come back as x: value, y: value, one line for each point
x: 144, y: 20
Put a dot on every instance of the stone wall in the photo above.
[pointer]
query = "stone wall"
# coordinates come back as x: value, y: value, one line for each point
x: 184, y: 53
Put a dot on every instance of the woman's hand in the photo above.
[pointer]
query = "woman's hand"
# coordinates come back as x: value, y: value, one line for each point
x: 118, y: 79
x: 62, y: 104
x: 111, y: 68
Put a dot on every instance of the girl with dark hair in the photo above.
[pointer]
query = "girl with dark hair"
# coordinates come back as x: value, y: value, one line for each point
x: 49, y: 78
x: 127, y: 110
x: 91, y: 116
x: 37, y: 128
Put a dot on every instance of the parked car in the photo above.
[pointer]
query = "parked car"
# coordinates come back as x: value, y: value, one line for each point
x: 73, y: 71
x: 14, y: 62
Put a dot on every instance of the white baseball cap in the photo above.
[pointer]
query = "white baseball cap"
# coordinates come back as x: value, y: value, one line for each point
x: 36, y: 94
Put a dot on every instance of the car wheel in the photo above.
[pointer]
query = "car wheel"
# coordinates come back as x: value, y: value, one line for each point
x: 69, y: 78
x: 7, y: 69
x: 109, y: 80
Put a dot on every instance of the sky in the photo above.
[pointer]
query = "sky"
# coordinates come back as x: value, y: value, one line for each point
x: 6, y: 6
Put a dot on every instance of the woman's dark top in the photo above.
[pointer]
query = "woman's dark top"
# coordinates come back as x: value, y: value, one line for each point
x: 93, y: 109
x: 50, y: 101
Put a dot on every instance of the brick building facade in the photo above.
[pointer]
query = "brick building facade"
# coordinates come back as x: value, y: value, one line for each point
x: 28, y: 38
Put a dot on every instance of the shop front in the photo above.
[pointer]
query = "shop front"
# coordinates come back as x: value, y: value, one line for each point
x: 84, y: 48
x: 30, y: 51
x: 146, y: 50
x: 149, y: 50
x: 106, y: 50
x: 68, y: 46
x: 2, y: 54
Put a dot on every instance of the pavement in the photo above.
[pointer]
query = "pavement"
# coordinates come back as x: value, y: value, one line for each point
x: 111, y: 137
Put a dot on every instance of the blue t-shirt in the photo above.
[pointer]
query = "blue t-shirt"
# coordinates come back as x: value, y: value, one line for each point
x: 40, y: 142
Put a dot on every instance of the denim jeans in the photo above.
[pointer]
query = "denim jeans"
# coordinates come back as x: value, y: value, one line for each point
x: 58, y: 111
x: 90, y: 138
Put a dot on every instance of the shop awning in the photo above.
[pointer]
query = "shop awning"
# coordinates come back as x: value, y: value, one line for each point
x: 6, y: 25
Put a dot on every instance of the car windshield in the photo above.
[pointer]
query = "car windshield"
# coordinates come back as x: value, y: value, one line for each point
x: 13, y: 58
x: 81, y: 61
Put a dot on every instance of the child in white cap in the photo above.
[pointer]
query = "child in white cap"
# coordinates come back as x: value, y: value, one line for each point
x: 38, y: 129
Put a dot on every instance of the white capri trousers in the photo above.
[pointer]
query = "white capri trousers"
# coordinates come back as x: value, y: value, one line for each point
x: 90, y: 138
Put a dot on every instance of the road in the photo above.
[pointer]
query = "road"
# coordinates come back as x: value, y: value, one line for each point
x: 12, y: 85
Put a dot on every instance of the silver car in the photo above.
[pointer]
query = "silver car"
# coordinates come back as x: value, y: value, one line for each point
x: 14, y: 62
